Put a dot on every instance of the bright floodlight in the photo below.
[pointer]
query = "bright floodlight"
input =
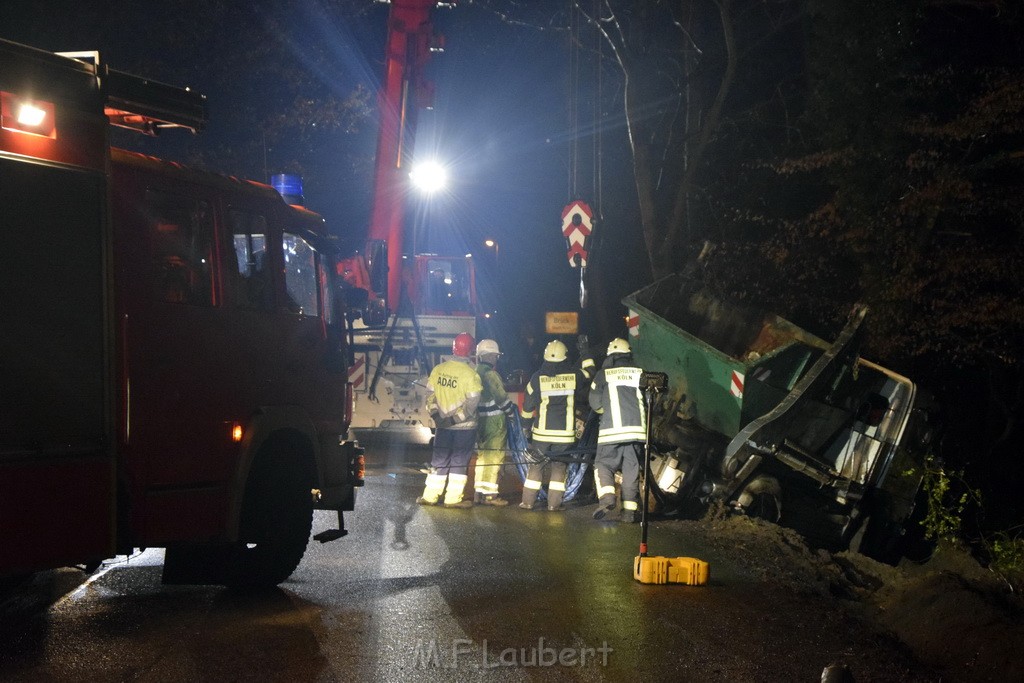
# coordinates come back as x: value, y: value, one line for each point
x: 30, y: 115
x: 429, y: 176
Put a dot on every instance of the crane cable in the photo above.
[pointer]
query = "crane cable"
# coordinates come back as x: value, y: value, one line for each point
x: 573, y: 100
x: 585, y: 42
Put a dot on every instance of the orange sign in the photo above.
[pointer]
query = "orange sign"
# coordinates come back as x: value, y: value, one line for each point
x: 561, y: 323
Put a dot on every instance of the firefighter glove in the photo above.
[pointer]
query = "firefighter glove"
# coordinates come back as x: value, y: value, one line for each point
x: 583, y: 345
x: 533, y: 456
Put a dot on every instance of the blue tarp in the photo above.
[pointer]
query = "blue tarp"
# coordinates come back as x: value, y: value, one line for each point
x: 518, y: 443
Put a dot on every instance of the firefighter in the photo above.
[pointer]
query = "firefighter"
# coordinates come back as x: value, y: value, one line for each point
x: 494, y: 407
x: 453, y: 392
x: 615, y: 394
x: 549, y: 416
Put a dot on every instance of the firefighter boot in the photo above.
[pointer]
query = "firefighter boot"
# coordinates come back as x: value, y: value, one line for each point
x: 630, y: 512
x: 494, y: 500
x: 556, y: 491
x: 604, y: 507
x: 531, y: 487
x: 433, y: 489
x: 453, y: 494
x: 556, y: 487
x: 604, y: 480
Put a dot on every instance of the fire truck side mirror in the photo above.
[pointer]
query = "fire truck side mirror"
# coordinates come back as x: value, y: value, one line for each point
x: 356, y: 299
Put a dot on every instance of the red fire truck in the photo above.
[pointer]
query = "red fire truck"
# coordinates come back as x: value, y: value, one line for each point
x: 172, y: 358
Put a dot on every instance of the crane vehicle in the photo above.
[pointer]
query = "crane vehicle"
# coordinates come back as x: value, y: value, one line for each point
x: 417, y: 303
x: 173, y: 363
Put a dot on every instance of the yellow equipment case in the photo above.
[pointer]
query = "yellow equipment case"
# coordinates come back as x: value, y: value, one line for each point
x: 687, y: 570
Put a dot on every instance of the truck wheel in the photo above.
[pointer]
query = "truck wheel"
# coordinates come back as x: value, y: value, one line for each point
x: 277, y: 516
x: 888, y: 541
x: 762, y: 498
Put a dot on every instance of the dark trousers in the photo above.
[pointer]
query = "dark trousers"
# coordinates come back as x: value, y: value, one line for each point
x: 556, y: 480
x: 612, y: 457
x: 453, y: 449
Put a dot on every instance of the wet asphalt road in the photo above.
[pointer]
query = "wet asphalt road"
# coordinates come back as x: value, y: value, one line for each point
x: 428, y: 594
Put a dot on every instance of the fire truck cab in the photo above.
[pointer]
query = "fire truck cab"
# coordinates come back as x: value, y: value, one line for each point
x: 173, y: 363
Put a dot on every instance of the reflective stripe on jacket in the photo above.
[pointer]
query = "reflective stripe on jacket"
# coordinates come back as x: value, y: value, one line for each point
x: 615, y: 394
x: 493, y: 399
x: 550, y: 401
x: 453, y: 390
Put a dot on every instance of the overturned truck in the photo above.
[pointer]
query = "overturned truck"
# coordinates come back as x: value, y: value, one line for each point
x: 774, y: 422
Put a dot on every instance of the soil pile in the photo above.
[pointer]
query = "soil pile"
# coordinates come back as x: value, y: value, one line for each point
x: 954, y: 615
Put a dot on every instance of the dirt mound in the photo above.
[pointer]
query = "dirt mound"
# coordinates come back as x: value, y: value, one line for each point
x: 951, y: 612
x: 956, y: 615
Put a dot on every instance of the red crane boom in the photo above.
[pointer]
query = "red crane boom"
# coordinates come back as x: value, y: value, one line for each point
x: 404, y: 92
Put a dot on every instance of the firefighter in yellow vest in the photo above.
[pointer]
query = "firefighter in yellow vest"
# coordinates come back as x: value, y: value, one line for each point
x: 453, y: 392
x: 492, y: 433
x: 549, y: 414
x: 615, y: 394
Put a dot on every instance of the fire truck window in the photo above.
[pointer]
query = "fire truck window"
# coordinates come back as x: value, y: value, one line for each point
x: 300, y: 276
x: 181, y: 230
x: 447, y: 286
x: 249, y: 235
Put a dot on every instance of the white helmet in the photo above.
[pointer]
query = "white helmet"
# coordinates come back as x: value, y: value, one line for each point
x: 555, y: 351
x: 617, y: 345
x: 487, y: 347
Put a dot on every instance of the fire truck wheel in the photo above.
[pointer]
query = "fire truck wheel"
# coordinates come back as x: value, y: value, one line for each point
x: 277, y: 516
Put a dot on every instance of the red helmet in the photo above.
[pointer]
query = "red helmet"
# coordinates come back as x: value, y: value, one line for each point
x: 463, y: 345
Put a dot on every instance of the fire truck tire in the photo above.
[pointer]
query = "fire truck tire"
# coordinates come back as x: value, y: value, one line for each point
x: 276, y: 519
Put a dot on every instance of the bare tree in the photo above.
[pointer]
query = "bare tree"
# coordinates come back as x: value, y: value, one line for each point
x: 680, y: 64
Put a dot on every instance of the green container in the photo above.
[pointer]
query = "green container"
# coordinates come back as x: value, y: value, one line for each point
x: 728, y: 363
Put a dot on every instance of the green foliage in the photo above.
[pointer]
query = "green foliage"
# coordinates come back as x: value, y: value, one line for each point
x: 1007, y: 552
x: 948, y: 496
